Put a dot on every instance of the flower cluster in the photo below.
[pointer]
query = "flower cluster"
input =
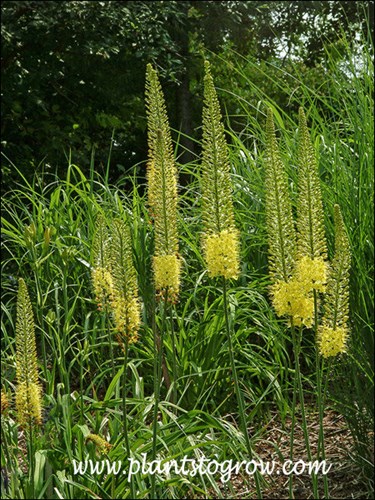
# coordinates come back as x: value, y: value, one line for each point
x: 291, y: 299
x: 333, y: 332
x: 28, y: 392
x: 167, y: 270
x: 332, y: 341
x: 298, y: 262
x: 101, y: 444
x: 103, y: 286
x: 220, y: 238
x: 114, y: 278
x: 28, y: 403
x: 125, y: 304
x: 126, y: 315
x: 162, y: 190
x: 312, y: 273
x: 294, y: 298
x: 221, y: 254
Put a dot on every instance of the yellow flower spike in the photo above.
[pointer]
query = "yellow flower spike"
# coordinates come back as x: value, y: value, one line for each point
x: 124, y: 300
x: 293, y: 299
x: 162, y: 189
x: 220, y: 238
x: 28, y: 391
x: 101, y: 264
x: 101, y: 444
x: 167, y: 272
x: 332, y: 341
x: 311, y: 240
x: 313, y: 272
x: 333, y: 333
x: 4, y: 401
x: 279, y: 217
x: 126, y: 315
x: 157, y: 120
x: 28, y: 403
x: 221, y: 254
x: 103, y: 286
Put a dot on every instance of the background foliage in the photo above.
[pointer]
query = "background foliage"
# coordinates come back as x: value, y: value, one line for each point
x: 73, y: 78
x: 72, y: 72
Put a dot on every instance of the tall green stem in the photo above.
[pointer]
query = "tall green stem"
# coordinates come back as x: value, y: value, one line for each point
x: 174, y: 362
x: 321, y: 399
x: 321, y: 402
x: 241, y: 406
x: 303, y: 413
x: 296, y: 339
x: 107, y: 326
x: 295, y: 384
x: 31, y: 458
x: 124, y: 411
x: 158, y: 357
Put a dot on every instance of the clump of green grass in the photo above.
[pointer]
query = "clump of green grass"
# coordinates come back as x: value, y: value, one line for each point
x: 48, y: 227
x: 339, y: 107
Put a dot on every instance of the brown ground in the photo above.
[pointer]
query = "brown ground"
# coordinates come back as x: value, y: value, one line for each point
x: 345, y: 479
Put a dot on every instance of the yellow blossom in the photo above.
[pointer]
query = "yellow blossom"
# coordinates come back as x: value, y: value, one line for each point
x: 4, y: 401
x: 102, y: 445
x: 162, y: 188
x: 313, y: 272
x: 167, y: 272
x: 28, y: 391
x: 332, y: 341
x: 293, y: 300
x: 126, y: 315
x: 222, y: 254
x: 103, y: 285
x: 28, y: 405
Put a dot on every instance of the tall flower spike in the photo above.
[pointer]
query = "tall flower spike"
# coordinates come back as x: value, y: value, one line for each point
x: 102, y: 445
x: 100, y: 243
x: 28, y: 391
x: 279, y: 216
x: 333, y: 333
x: 100, y: 264
x: 162, y: 190
x: 124, y: 302
x: 310, y: 216
x: 221, y: 238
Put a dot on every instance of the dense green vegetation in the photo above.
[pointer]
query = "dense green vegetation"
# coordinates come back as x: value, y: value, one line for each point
x: 61, y: 170
x: 72, y: 72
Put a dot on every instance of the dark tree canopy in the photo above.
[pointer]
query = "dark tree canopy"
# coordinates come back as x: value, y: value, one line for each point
x: 74, y: 71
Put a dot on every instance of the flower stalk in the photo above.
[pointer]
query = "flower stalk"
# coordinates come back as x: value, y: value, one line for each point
x: 163, y: 207
x: 162, y: 190
x: 124, y: 304
x: 101, y: 275
x: 28, y: 391
x: 297, y: 262
x: 220, y: 237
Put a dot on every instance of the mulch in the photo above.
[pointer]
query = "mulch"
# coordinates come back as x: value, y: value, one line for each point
x: 345, y: 477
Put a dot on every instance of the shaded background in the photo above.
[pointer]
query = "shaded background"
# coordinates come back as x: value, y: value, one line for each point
x: 73, y: 73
